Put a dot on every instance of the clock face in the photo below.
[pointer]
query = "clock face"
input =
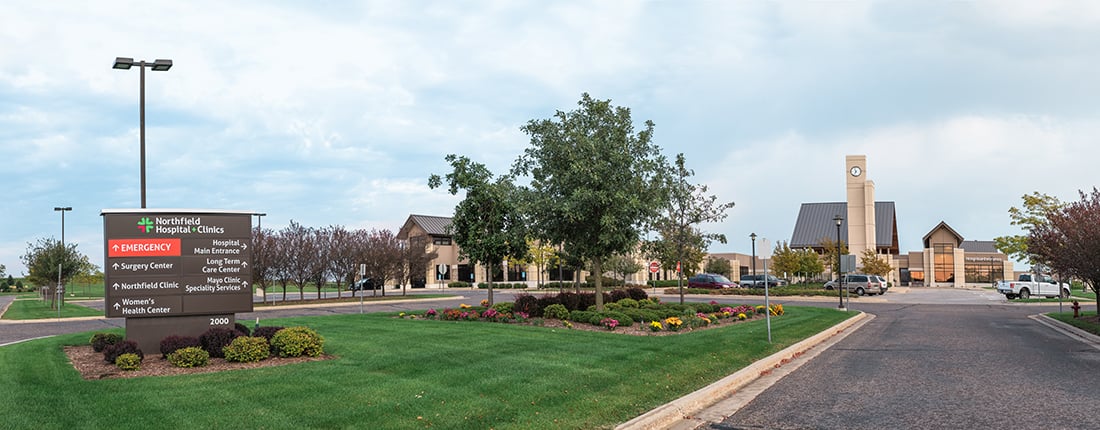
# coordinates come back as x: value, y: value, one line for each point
x: 856, y: 171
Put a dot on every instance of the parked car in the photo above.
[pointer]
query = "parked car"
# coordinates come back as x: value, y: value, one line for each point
x: 860, y: 284
x: 710, y: 280
x: 885, y: 285
x: 365, y: 284
x: 757, y: 281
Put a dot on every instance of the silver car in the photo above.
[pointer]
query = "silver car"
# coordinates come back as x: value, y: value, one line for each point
x: 860, y: 284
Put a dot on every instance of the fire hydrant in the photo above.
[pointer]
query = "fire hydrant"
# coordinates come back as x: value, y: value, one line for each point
x: 1076, y: 309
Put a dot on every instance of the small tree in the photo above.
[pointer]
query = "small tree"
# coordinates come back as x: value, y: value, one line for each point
x: 49, y: 262
x: 487, y: 225
x: 623, y: 265
x: 873, y: 264
x: 720, y: 266
x: 809, y: 264
x: 829, y: 256
x: 784, y: 259
x: 1031, y: 215
x: 541, y: 256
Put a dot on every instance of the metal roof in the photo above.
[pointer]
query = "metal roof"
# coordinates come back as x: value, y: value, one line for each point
x: 433, y: 225
x: 815, y: 221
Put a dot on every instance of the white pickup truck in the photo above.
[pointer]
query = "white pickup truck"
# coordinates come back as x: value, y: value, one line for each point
x: 1025, y: 287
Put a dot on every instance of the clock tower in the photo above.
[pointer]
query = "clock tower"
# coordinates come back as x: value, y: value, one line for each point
x: 861, y: 206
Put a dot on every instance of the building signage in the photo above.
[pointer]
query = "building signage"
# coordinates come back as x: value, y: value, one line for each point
x: 177, y: 263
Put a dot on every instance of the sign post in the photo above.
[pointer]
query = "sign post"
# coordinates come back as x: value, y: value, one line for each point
x: 765, y: 254
x: 654, y: 267
x: 177, y: 272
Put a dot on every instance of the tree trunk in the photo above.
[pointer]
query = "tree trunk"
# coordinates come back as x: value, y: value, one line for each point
x: 489, y: 281
x: 597, y: 264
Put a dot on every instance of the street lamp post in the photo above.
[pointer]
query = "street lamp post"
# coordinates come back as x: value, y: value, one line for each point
x: 160, y: 65
x: 260, y: 220
x: 838, y: 220
x: 60, y: 291
x: 752, y: 262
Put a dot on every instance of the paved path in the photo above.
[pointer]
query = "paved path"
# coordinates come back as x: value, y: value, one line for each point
x: 939, y: 366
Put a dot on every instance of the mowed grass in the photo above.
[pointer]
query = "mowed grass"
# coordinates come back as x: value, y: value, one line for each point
x: 404, y: 374
x: 34, y: 308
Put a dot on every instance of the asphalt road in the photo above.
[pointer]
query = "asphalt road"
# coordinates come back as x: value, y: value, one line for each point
x: 973, y: 366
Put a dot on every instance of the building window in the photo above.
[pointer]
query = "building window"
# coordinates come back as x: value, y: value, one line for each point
x: 984, y: 270
x: 437, y: 240
x: 944, y: 262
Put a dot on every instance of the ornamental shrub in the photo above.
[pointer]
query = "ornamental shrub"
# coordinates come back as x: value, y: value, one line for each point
x: 643, y: 315
x: 556, y: 311
x: 637, y: 293
x: 582, y: 316
x: 297, y: 341
x: 547, y: 300
x: 215, y: 339
x: 247, y: 349
x: 172, y: 343
x: 267, y: 332
x: 128, y: 361
x: 617, y: 295
x: 458, y: 284
x: 191, y: 356
x: 242, y: 328
x: 528, y: 304
x: 111, y: 352
x: 100, y: 341
x: 571, y: 301
x: 627, y: 303
x: 623, y: 319
x: 504, y: 307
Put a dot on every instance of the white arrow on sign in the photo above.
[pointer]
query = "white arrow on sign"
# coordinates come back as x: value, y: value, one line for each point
x: 115, y: 266
x: 244, y: 246
x: 117, y: 306
x: 115, y: 285
x: 244, y: 264
x: 115, y: 247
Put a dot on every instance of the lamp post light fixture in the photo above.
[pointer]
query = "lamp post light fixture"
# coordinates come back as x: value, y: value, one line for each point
x: 60, y: 290
x: 752, y: 262
x: 839, y: 285
x: 159, y: 65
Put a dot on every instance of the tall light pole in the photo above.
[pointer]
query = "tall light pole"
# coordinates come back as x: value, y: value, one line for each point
x: 160, y: 65
x: 60, y: 294
x: 753, y: 261
x: 838, y: 220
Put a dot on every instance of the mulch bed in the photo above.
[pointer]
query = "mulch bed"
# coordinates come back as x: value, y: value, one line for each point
x: 90, y: 364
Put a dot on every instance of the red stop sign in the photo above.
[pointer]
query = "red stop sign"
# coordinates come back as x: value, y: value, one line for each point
x: 654, y: 266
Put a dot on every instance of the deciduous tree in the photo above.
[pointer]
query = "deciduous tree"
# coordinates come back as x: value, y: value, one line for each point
x: 873, y: 264
x: 1032, y: 214
x: 487, y: 224
x: 48, y: 262
x: 829, y: 255
x: 594, y: 182
x: 719, y: 266
x: 1069, y: 240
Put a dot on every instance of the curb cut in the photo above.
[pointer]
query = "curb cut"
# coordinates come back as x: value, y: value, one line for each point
x: 670, y: 413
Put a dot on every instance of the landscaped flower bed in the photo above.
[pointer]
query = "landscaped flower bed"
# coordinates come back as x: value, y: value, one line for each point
x: 626, y: 315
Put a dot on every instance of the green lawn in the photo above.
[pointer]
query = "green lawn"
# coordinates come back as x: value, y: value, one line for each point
x: 400, y: 373
x: 1067, y: 317
x: 34, y: 308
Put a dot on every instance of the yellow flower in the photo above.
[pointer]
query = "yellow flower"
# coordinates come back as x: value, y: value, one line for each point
x: 464, y: 306
x: 742, y: 316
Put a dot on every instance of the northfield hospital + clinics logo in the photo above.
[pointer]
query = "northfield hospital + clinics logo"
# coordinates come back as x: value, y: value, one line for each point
x: 145, y: 224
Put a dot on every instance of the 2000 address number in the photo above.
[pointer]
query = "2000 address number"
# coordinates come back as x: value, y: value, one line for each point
x: 219, y: 321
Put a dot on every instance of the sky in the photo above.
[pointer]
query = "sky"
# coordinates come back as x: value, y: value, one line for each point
x: 336, y: 113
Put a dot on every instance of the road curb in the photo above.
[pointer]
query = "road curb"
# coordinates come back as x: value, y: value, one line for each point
x: 1068, y: 330
x: 684, y: 408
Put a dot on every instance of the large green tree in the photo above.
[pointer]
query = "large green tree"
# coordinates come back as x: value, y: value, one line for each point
x: 1031, y: 215
x: 1069, y: 240
x: 487, y: 225
x: 594, y: 181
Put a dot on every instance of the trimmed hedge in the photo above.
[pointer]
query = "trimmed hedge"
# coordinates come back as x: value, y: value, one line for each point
x: 128, y: 361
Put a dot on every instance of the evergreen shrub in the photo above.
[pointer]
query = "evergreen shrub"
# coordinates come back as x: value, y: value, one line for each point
x: 128, y: 361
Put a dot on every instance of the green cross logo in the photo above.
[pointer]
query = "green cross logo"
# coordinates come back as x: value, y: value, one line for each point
x: 146, y: 225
